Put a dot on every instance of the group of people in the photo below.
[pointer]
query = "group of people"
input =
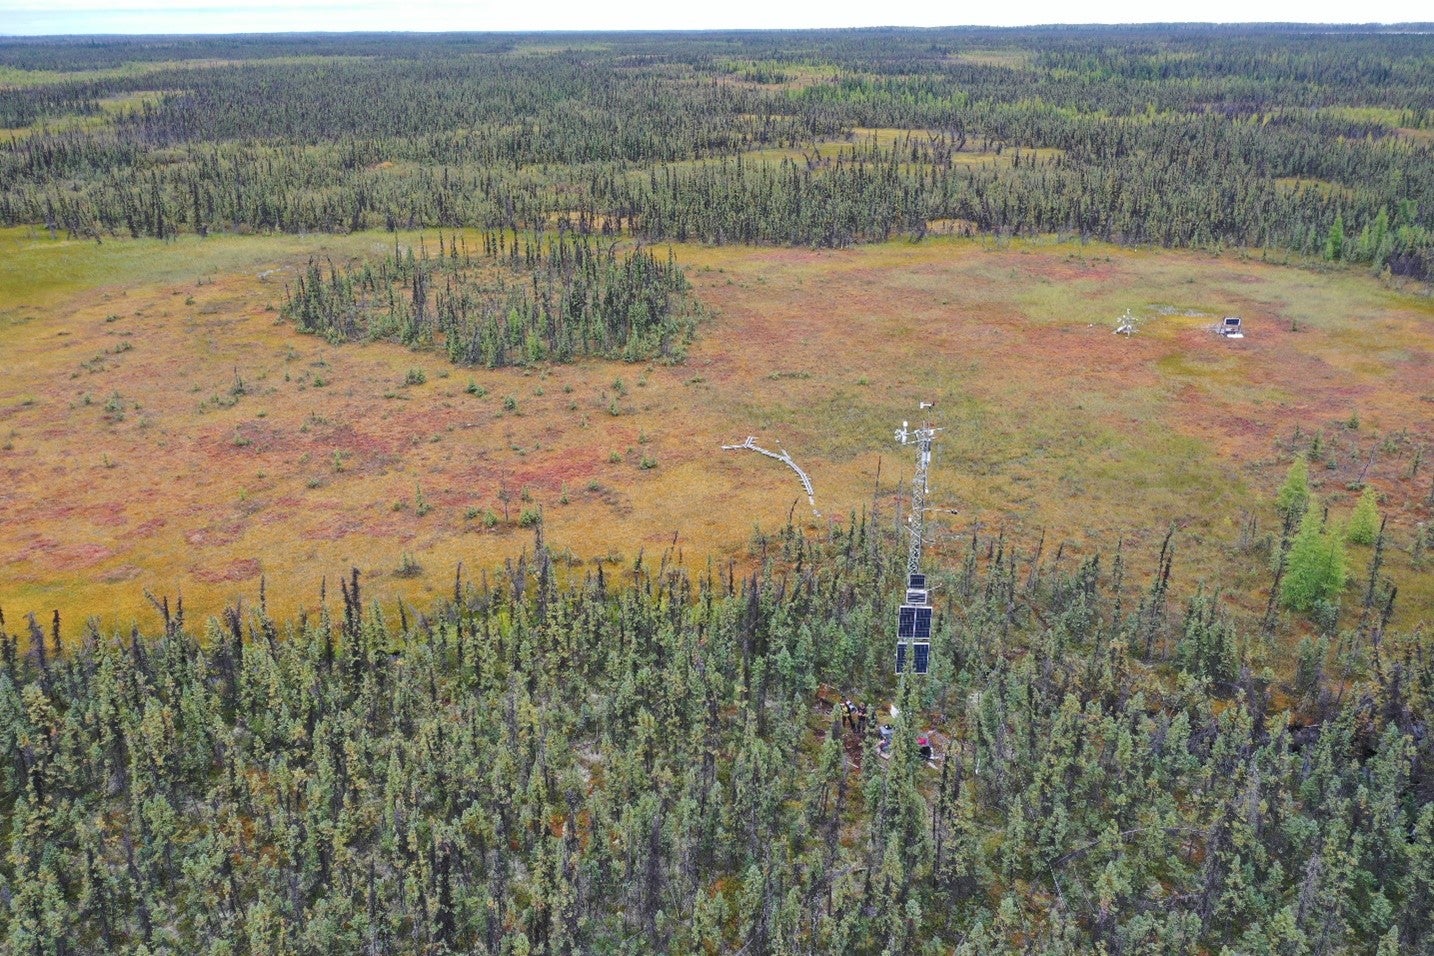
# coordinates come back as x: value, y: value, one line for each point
x: 854, y: 716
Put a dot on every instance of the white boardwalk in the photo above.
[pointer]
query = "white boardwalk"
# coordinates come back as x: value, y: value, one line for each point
x: 785, y: 458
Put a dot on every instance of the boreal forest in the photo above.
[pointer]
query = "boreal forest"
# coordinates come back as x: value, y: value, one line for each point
x: 1268, y: 139
x: 1168, y: 738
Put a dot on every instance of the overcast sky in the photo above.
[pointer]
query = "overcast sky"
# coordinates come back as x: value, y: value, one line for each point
x: 210, y: 16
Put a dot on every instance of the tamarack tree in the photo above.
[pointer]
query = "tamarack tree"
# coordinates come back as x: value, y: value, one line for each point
x: 1316, y: 569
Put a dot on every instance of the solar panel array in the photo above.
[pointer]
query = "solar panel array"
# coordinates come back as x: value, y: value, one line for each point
x: 913, y: 623
x: 919, y: 654
x: 913, y: 630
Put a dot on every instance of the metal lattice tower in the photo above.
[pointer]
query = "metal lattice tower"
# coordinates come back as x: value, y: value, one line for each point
x: 913, y: 618
x: 916, y: 521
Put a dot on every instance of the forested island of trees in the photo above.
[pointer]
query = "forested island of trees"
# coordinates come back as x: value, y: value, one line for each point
x: 553, y: 301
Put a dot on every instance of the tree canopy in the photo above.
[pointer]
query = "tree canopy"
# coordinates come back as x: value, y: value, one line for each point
x: 546, y: 767
x: 1312, y: 143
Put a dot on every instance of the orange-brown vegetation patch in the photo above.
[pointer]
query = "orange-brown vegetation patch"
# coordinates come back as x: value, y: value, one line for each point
x: 244, y: 569
x: 220, y: 441
x: 76, y: 556
x: 35, y: 546
x: 146, y: 528
x: 334, y: 530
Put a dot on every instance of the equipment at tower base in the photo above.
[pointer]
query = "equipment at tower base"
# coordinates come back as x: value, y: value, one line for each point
x: 913, y: 618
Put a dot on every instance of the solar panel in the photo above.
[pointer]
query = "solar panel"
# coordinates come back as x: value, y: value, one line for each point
x: 916, y: 581
x: 921, y: 657
x: 913, y: 621
x: 900, y: 658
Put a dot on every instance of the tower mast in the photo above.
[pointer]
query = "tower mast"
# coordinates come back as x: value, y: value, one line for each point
x: 913, y: 620
x: 920, y: 437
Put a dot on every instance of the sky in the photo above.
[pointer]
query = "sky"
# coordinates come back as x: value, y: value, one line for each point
x: 29, y: 17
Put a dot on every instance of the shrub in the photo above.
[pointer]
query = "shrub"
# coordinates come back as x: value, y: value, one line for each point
x: 415, y: 376
x: 407, y: 567
x: 1325, y: 614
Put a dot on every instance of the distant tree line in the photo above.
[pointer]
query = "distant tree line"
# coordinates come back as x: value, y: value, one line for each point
x: 1265, y: 138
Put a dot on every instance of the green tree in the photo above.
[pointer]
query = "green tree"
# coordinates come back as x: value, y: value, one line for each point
x: 1334, y: 242
x: 1294, y: 495
x: 1316, y: 569
x: 1364, y: 523
x: 1206, y: 648
x: 1309, y: 667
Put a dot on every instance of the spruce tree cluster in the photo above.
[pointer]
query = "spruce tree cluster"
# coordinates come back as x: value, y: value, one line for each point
x: 639, y: 760
x: 554, y: 300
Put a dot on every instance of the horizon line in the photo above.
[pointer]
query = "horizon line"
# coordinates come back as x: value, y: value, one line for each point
x: 1405, y: 26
